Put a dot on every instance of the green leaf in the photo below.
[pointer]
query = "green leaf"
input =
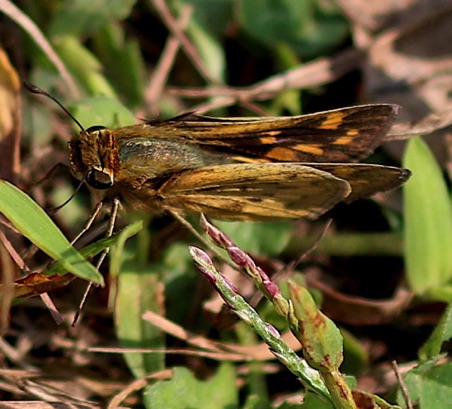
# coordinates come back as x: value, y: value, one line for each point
x: 428, y: 221
x: 215, y: 16
x: 84, y: 65
x: 321, y: 339
x: 429, y: 385
x: 442, y: 333
x: 310, y: 27
x: 350, y: 244
x: 138, y: 290
x: 122, y: 61
x: 97, y: 247
x: 26, y: 215
x: 210, y: 49
x: 83, y: 17
x: 206, y: 28
x: 259, y: 237
x: 103, y: 110
x: 356, y: 356
x: 185, y: 391
x: 312, y: 401
x: 89, y: 251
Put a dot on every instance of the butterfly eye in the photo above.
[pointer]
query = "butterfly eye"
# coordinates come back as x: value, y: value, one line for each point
x: 95, y: 128
x: 98, y: 179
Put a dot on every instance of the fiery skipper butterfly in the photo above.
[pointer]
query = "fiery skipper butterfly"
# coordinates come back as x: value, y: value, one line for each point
x: 253, y: 169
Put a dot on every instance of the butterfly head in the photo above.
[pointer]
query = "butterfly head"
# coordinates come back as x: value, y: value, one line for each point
x: 93, y: 157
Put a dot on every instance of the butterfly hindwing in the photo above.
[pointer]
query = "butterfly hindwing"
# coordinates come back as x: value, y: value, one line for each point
x: 284, y: 191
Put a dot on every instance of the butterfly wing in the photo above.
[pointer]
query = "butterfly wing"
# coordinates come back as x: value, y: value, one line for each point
x: 340, y: 135
x: 365, y: 179
x: 254, y: 192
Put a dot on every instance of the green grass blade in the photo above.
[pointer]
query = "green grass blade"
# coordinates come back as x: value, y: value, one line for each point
x: 428, y: 221
x: 26, y: 215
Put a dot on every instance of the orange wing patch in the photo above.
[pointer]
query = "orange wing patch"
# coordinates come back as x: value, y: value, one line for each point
x: 313, y: 149
x: 283, y: 154
x: 333, y: 120
x: 268, y: 140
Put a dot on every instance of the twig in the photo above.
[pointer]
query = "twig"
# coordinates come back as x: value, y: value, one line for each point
x: 161, y: 72
x: 138, y: 385
x: 426, y: 125
x: 174, y: 27
x: 403, y: 388
x: 313, y: 74
x: 13, y: 253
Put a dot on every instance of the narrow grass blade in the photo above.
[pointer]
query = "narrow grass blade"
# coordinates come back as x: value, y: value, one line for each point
x: 428, y: 222
x: 26, y: 215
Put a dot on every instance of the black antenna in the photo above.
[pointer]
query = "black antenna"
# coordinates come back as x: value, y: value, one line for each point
x: 36, y: 90
x: 56, y: 209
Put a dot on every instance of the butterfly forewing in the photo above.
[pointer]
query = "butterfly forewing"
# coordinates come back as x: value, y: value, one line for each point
x: 339, y: 135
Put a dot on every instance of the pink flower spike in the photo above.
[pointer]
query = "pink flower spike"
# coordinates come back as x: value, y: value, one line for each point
x: 240, y: 258
x: 203, y: 263
x: 215, y: 234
